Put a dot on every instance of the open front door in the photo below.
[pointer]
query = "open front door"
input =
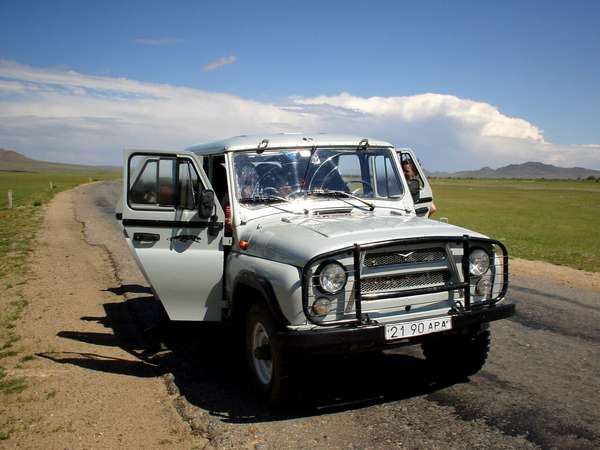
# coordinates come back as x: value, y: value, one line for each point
x: 173, y: 232
x: 425, y: 198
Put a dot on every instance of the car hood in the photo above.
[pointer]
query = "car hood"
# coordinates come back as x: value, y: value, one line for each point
x: 295, y: 240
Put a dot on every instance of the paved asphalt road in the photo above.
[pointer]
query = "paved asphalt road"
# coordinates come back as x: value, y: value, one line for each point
x: 539, y: 388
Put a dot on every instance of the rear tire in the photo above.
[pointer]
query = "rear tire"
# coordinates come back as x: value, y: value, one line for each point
x: 266, y: 363
x: 459, y: 356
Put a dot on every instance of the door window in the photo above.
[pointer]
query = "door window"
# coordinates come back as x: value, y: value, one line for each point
x: 166, y: 182
x: 153, y: 182
x: 189, y: 184
x: 143, y: 174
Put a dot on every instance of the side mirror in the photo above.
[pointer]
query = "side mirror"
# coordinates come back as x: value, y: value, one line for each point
x: 415, y: 189
x: 206, y: 203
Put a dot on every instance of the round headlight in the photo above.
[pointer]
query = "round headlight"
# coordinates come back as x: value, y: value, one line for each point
x: 479, y: 262
x: 483, y: 286
x: 332, y: 277
x: 321, y: 307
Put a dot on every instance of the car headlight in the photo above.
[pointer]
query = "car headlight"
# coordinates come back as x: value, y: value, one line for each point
x: 321, y: 306
x: 332, y: 277
x: 479, y: 262
x: 483, y: 286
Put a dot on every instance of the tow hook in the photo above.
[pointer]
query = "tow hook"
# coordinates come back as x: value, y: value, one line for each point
x: 458, y: 307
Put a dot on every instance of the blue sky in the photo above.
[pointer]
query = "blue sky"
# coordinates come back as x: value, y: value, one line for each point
x: 535, y: 61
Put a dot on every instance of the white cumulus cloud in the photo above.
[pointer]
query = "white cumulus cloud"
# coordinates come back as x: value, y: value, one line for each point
x: 62, y: 115
x: 415, y: 108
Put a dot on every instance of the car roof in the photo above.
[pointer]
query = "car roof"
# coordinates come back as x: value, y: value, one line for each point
x: 283, y: 140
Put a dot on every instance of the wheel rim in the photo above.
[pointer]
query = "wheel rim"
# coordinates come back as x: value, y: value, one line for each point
x: 262, y: 367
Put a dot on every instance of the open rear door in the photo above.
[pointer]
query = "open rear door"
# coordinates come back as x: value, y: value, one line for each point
x: 425, y: 200
x: 176, y: 241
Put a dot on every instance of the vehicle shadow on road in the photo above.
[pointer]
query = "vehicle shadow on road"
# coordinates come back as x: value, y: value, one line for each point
x: 129, y: 288
x: 203, y: 363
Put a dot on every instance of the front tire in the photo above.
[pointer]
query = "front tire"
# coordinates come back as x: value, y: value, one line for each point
x: 266, y: 363
x: 456, y: 357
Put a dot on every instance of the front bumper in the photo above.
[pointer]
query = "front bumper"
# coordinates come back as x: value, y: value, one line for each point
x: 369, y: 337
x: 358, y: 252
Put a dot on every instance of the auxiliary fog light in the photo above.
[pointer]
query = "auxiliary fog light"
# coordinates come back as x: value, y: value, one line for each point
x: 479, y: 262
x: 484, y: 286
x: 321, y: 306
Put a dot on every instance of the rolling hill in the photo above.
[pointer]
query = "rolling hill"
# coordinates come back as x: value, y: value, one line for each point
x: 528, y: 170
x: 12, y: 161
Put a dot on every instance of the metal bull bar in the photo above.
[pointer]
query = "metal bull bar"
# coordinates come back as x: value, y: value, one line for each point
x: 468, y: 243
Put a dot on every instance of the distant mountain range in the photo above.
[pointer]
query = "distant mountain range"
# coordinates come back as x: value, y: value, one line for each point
x: 12, y: 161
x: 528, y: 170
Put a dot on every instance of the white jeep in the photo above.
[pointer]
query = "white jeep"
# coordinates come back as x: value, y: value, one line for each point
x: 311, y: 244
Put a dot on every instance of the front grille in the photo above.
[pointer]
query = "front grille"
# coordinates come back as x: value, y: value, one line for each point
x: 401, y: 282
x: 405, y: 257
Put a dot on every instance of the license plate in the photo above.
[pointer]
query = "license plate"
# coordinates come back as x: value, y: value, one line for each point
x: 417, y: 328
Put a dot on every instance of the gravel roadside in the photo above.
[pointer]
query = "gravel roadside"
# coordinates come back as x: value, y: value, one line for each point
x: 88, y: 388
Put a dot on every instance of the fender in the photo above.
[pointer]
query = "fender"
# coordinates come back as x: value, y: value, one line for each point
x: 262, y: 285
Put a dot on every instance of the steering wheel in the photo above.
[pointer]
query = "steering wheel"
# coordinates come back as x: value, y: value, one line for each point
x: 277, y: 180
x: 258, y: 185
x: 270, y: 190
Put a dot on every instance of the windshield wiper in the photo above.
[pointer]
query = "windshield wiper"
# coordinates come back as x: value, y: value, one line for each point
x: 264, y: 199
x: 339, y: 195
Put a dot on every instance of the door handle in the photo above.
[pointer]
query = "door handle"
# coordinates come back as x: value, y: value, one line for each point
x: 146, y: 237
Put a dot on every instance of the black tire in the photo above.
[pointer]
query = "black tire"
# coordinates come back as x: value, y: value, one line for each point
x: 457, y: 357
x: 274, y: 388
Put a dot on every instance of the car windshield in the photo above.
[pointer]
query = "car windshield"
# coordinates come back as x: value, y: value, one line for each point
x: 287, y: 174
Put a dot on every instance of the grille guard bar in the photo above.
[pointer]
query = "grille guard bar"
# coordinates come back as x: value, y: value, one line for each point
x: 356, y: 249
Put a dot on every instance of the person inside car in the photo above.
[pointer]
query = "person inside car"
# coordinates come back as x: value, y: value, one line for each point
x: 410, y: 173
x: 247, y: 178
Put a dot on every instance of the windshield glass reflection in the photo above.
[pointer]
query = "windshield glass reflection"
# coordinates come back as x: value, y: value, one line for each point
x: 289, y: 174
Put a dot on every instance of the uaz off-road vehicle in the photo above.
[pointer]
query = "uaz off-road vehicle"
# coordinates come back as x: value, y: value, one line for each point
x: 311, y: 244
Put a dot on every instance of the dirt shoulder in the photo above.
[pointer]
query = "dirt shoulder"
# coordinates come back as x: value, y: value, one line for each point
x: 86, y: 387
x: 556, y: 274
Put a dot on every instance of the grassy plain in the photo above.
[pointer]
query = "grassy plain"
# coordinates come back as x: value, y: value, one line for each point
x: 18, y: 228
x: 553, y: 221
x: 30, y: 191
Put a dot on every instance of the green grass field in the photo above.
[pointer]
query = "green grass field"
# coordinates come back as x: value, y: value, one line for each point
x: 553, y: 221
x: 30, y: 191
x: 18, y: 227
